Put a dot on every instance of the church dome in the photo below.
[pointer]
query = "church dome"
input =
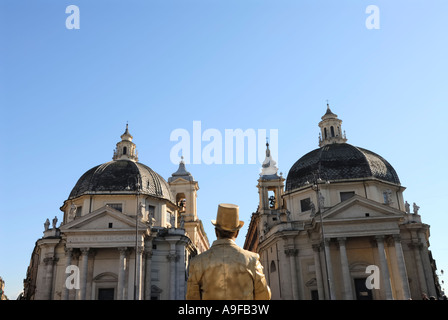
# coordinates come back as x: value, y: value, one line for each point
x: 122, y: 176
x: 337, y: 160
x: 340, y: 161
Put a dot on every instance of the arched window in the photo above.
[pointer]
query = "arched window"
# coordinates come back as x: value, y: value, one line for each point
x: 125, y: 150
x: 332, y: 131
x: 325, y: 133
x: 181, y: 201
x: 273, y: 267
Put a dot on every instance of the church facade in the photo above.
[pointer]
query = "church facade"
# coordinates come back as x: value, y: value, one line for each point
x: 338, y: 227
x: 126, y: 233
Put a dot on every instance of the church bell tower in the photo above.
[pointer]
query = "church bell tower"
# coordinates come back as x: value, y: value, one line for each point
x: 270, y: 189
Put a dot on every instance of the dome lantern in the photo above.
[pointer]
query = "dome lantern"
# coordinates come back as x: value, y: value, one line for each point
x: 126, y: 149
x: 330, y: 127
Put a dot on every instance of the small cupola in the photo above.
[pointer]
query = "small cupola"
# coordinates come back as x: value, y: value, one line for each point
x: 330, y: 127
x: 126, y: 149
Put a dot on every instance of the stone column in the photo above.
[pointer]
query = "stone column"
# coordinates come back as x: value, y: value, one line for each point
x: 148, y: 260
x: 317, y: 267
x: 418, y: 263
x: 138, y: 261
x: 402, y: 267
x: 83, y: 273
x: 348, y: 293
x: 329, y: 269
x: 121, y: 273
x: 182, y: 285
x: 429, y: 276
x: 384, y: 267
x: 292, y: 253
x: 49, y: 266
x: 172, y: 258
x: 68, y: 262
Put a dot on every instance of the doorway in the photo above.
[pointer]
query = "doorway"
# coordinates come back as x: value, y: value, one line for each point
x: 362, y: 293
x: 106, y: 294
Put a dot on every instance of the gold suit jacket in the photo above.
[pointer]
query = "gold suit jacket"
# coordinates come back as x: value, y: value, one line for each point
x: 227, y: 272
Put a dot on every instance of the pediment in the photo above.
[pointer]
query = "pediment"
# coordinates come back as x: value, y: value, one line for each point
x: 359, y: 216
x: 102, y: 219
x: 179, y: 180
x: 358, y: 207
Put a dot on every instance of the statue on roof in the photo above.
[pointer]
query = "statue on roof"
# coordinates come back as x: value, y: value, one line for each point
x: 269, y: 165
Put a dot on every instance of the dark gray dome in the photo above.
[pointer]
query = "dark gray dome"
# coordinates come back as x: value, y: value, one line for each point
x: 340, y: 161
x: 122, y: 175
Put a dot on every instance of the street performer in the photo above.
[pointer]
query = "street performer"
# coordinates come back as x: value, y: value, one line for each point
x: 226, y: 271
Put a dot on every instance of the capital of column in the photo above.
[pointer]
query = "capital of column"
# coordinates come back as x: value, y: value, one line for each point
x: 316, y: 247
x: 122, y: 250
x: 148, y: 253
x: 291, y: 252
x: 84, y: 251
x: 415, y: 244
x: 68, y: 251
x: 50, y: 260
x: 172, y: 257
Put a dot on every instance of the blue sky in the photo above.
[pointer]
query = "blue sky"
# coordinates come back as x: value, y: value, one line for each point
x: 66, y: 95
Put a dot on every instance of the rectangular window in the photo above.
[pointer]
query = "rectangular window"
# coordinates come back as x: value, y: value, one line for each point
x: 346, y: 195
x: 305, y: 204
x: 168, y: 218
x: 78, y: 211
x: 151, y: 211
x: 116, y: 206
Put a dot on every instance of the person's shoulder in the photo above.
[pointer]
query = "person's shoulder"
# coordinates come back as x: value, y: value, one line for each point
x: 200, y: 256
x: 251, y: 255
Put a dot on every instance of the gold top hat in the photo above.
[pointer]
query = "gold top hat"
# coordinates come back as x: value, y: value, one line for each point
x: 227, y: 218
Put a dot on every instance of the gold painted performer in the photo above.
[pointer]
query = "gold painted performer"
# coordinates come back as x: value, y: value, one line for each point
x: 226, y: 271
